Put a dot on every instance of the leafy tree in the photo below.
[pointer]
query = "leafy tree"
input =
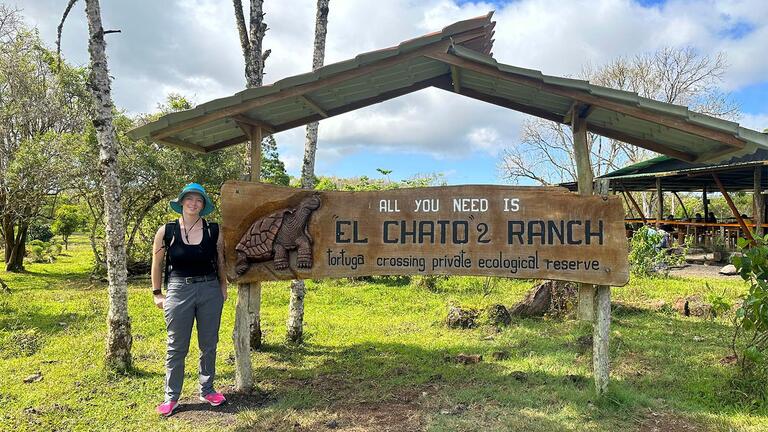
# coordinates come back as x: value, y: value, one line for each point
x: 150, y: 175
x: 67, y: 220
x: 41, y: 106
x: 39, y: 230
x: 272, y: 168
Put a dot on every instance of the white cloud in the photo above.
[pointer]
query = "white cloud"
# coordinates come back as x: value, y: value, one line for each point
x: 758, y: 122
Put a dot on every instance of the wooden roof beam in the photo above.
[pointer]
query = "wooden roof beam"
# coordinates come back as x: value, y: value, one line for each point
x: 242, y: 119
x: 456, y: 79
x: 438, y: 81
x: 506, y: 103
x: 584, y: 111
x: 640, y: 142
x: 313, y: 106
x: 178, y: 143
x: 226, y: 143
x: 298, y: 90
x: 586, y: 98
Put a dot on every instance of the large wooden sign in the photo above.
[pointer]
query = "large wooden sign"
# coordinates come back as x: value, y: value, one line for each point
x: 274, y: 232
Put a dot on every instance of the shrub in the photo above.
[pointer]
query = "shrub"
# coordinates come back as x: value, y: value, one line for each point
x: 648, y: 257
x: 39, y: 231
x: 430, y: 282
x: 40, y: 251
x: 719, y: 303
x: 750, y: 338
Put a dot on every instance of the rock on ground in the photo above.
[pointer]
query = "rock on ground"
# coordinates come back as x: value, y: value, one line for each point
x: 498, y: 315
x: 461, y: 318
x: 729, y: 270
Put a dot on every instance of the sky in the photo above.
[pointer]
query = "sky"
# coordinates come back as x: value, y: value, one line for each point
x: 191, y: 47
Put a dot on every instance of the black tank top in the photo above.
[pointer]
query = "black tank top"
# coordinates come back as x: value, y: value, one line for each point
x: 191, y: 260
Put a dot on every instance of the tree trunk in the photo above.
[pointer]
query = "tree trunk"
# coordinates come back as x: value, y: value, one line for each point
x: 119, y: 340
x: 296, y: 312
x: 296, y: 307
x: 318, y: 57
x: 15, y: 247
x: 255, y: 58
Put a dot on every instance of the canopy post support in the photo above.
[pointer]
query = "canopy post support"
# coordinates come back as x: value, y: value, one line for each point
x: 594, y: 301
x: 758, y: 201
x: 734, y: 210
x: 680, y: 200
x: 634, y: 203
x: 659, y: 203
x: 247, y: 331
x: 629, y: 206
x: 705, y: 201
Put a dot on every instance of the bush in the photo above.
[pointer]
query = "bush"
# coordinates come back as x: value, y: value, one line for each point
x: 39, y: 251
x: 647, y: 255
x: 39, y: 231
x: 750, y: 338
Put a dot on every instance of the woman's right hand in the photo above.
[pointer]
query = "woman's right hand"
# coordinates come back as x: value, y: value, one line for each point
x: 159, y: 300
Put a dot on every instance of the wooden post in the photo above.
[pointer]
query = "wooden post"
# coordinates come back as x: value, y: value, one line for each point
x: 247, y: 332
x: 659, y: 203
x: 594, y: 301
x: 758, y: 201
x: 585, y: 182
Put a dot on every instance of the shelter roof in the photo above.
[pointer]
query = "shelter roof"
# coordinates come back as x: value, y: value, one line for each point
x: 456, y: 59
x: 736, y: 174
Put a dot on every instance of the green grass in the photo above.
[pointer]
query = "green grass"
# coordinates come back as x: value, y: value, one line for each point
x: 374, y: 358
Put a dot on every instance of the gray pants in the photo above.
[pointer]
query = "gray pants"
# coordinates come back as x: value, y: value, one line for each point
x: 185, y: 303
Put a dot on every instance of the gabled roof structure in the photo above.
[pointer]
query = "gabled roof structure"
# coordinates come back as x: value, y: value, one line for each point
x: 736, y: 174
x: 456, y: 59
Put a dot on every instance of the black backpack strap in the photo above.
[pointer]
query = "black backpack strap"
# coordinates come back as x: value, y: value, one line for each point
x: 213, y: 234
x: 170, y: 230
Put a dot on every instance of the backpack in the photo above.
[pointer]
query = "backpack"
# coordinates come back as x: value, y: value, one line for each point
x: 170, y: 230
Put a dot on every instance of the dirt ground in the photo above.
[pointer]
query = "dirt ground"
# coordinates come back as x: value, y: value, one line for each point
x: 700, y: 270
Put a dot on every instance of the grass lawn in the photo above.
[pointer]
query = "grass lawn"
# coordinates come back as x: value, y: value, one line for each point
x: 376, y: 356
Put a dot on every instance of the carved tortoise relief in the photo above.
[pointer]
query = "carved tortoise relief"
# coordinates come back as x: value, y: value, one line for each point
x: 272, y: 236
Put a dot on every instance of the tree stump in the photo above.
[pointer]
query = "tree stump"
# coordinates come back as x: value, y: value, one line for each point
x: 536, y: 302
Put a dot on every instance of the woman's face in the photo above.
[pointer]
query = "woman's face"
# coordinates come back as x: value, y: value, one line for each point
x: 193, y: 203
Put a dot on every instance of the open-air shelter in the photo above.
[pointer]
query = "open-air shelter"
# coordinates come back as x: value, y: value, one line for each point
x: 747, y: 173
x: 457, y: 59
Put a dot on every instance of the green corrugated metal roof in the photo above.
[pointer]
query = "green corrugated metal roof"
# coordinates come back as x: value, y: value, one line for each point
x: 736, y: 174
x: 427, y: 61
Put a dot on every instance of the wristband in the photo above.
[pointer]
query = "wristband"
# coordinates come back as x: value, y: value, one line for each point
x: 157, y: 291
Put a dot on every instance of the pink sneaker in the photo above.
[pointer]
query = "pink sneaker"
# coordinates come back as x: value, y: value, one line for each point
x: 165, y: 409
x: 215, y: 398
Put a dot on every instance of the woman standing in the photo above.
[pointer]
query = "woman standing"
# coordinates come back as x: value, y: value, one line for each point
x: 196, y: 290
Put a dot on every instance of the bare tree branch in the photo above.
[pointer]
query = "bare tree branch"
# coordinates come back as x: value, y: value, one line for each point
x: 673, y: 75
x: 70, y: 4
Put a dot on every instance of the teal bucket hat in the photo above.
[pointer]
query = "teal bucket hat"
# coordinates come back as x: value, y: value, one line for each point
x: 193, y: 187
